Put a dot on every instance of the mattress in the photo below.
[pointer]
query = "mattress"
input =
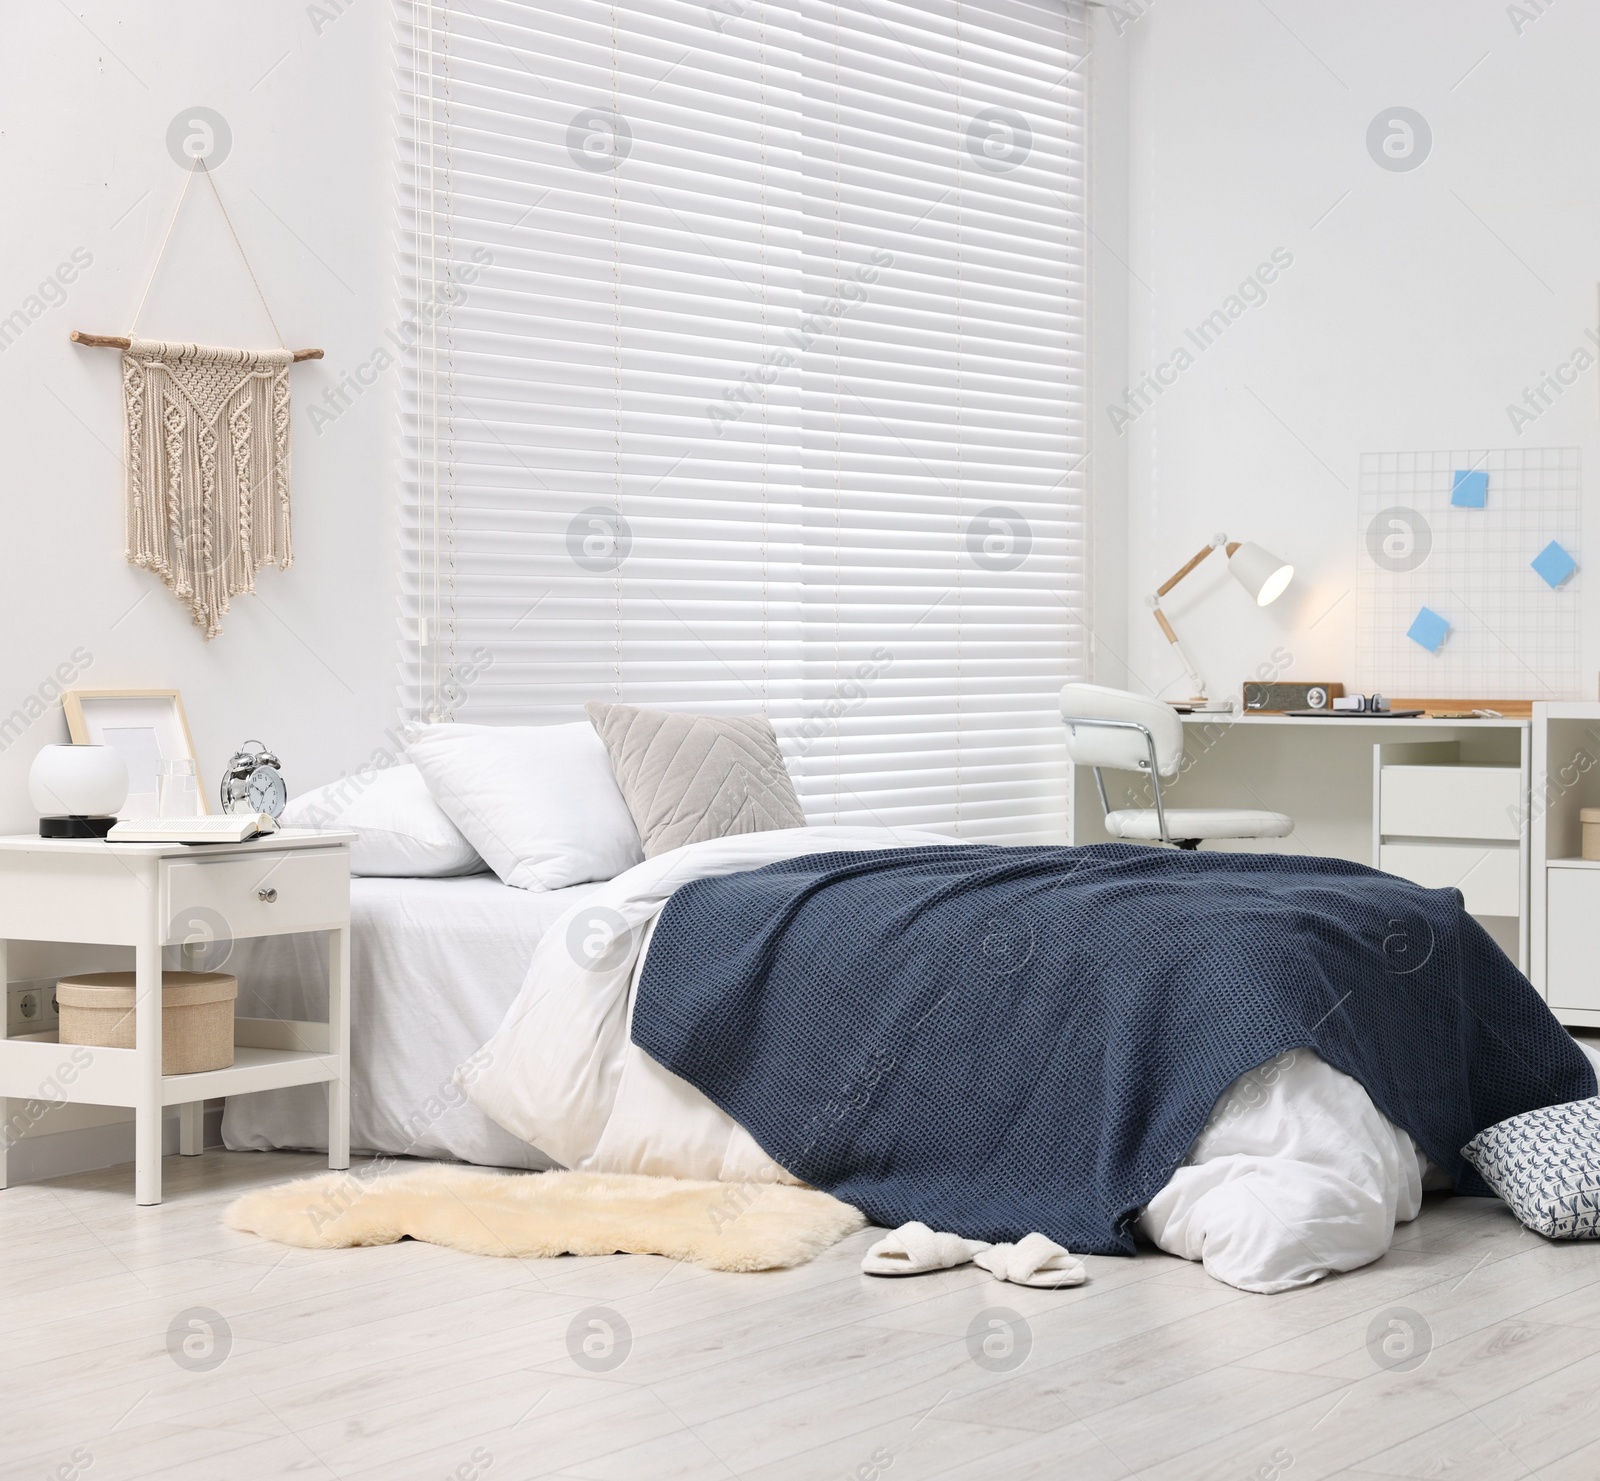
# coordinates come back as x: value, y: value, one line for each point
x: 434, y: 966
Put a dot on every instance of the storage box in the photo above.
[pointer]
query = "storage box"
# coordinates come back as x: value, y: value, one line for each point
x: 1590, y: 818
x: 97, y: 1008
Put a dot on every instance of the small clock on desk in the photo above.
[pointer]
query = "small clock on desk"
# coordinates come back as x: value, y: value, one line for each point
x: 252, y: 781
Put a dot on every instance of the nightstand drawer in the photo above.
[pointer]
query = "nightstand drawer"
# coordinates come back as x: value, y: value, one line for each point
x: 268, y: 894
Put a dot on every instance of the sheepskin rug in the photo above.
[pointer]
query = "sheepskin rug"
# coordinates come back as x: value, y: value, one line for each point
x: 726, y: 1226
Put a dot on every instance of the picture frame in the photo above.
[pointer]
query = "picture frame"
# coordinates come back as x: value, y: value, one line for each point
x: 146, y: 726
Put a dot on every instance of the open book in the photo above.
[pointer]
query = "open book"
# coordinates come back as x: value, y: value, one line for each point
x: 228, y: 827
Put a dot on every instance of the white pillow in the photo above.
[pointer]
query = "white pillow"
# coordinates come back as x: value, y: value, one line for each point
x: 402, y: 831
x: 539, y: 802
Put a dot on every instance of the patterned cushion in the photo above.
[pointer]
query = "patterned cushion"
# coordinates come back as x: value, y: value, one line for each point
x: 687, y: 778
x: 1546, y: 1165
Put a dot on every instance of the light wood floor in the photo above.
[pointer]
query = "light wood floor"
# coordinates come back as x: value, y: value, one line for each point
x: 411, y: 1361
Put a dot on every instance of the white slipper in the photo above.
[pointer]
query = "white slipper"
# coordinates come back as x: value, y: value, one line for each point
x: 1033, y: 1261
x: 915, y: 1249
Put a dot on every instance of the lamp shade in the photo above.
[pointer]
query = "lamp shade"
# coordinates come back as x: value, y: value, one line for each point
x: 78, y: 781
x: 1260, y: 572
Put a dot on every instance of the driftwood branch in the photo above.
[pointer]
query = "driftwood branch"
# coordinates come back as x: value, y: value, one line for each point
x: 120, y: 342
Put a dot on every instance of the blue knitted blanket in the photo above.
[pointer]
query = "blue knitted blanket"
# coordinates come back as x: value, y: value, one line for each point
x: 996, y: 1040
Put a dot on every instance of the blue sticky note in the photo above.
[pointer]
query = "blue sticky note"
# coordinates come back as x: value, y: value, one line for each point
x: 1469, y: 490
x: 1429, y: 629
x: 1554, y: 563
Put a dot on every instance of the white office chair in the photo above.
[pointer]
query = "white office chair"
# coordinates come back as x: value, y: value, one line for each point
x: 1127, y: 732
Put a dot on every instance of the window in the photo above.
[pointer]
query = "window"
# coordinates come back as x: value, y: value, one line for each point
x: 746, y: 372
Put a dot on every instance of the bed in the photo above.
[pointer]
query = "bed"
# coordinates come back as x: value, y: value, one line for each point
x: 688, y: 1012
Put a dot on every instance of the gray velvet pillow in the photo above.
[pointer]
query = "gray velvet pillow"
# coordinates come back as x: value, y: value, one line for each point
x: 690, y: 777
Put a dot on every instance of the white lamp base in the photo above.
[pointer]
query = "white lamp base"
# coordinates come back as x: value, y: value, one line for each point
x: 1203, y: 706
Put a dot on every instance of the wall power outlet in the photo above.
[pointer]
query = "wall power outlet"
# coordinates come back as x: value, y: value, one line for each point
x: 31, y: 1007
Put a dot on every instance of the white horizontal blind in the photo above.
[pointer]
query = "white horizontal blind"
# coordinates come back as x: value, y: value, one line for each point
x: 621, y: 184
x: 745, y: 373
x: 943, y: 427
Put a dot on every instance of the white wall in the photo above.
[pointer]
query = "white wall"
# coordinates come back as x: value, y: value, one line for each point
x: 1109, y: 286
x: 87, y: 92
x: 1418, y: 306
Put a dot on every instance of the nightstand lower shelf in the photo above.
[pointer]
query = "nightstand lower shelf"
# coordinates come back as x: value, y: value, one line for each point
x: 38, y: 1067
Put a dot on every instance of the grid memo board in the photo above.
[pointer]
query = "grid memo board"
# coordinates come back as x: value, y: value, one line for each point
x: 1511, y: 635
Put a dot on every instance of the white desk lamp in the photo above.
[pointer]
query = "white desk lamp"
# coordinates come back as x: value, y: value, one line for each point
x: 1261, y: 574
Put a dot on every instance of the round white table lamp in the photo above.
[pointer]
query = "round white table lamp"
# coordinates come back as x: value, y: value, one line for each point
x: 77, y: 790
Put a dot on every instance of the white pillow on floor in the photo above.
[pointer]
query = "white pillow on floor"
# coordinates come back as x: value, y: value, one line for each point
x: 401, y: 831
x: 539, y: 802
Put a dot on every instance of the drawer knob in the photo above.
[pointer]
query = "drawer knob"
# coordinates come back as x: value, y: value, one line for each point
x: 266, y: 896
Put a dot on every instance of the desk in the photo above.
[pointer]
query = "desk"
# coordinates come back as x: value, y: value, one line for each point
x: 1339, y: 779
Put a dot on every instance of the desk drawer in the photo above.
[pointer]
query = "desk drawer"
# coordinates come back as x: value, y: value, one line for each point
x: 267, y: 894
x: 1451, y: 801
x: 1488, y: 878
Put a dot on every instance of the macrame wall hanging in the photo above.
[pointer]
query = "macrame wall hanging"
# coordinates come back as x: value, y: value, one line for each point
x: 206, y: 443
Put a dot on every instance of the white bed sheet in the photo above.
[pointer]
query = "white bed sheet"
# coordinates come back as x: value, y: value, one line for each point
x: 434, y: 965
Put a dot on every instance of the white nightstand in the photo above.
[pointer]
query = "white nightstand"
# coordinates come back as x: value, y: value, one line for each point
x: 150, y: 895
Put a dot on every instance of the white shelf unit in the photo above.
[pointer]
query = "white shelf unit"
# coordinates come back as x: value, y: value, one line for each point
x: 1452, y: 814
x: 1566, y: 888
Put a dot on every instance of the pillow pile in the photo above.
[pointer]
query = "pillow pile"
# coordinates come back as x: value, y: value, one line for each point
x: 548, y: 806
x: 1546, y: 1165
x: 400, y: 830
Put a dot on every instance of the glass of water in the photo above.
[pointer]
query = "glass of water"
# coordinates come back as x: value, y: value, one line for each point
x: 178, y: 788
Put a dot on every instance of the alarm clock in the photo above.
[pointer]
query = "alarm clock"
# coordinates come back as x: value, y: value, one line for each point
x: 252, y: 783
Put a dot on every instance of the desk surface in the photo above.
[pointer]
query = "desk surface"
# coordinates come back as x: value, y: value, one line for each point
x: 1379, y: 728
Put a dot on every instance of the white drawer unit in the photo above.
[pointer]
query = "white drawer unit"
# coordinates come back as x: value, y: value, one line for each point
x: 268, y: 894
x: 1572, y: 939
x: 1451, y: 802
x: 1453, y: 814
x: 1490, y: 879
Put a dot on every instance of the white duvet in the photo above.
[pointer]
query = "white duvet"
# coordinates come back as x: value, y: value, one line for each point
x: 1296, y: 1173
x: 563, y: 1072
